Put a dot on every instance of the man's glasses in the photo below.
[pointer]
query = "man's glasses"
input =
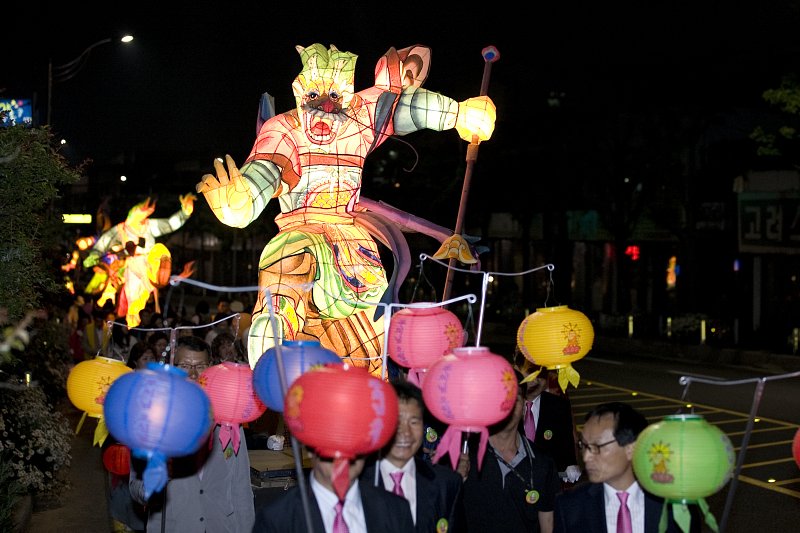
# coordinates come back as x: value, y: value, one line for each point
x: 199, y: 367
x: 594, y: 449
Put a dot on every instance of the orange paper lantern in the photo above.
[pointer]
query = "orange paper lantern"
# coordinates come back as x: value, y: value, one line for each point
x: 555, y: 337
x: 117, y: 459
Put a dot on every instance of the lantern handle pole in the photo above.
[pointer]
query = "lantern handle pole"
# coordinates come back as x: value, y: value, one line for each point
x: 490, y: 55
x: 296, y: 450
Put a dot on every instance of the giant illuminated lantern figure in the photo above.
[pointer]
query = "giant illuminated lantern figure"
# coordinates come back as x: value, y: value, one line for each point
x: 135, y: 266
x: 322, y: 270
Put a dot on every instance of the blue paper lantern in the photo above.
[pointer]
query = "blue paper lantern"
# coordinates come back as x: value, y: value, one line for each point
x: 158, y: 413
x: 298, y: 357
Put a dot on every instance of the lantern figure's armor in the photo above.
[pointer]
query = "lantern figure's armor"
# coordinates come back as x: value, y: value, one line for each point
x: 322, y: 269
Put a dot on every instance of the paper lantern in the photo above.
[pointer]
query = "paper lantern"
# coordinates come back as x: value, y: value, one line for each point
x: 796, y: 448
x: 229, y: 387
x: 555, y: 337
x: 341, y: 411
x: 158, y: 413
x: 87, y: 385
x: 117, y: 459
x: 683, y: 459
x: 420, y: 336
x: 470, y: 389
x: 297, y: 357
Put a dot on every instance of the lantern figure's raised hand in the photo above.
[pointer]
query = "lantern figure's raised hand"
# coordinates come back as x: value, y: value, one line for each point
x: 323, y: 270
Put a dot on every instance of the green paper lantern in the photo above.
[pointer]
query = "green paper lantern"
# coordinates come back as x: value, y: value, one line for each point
x: 683, y: 459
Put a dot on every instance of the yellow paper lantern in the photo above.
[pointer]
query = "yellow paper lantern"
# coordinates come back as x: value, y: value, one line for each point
x: 554, y: 338
x: 87, y: 385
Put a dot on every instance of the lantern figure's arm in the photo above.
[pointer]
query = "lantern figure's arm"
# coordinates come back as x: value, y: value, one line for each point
x: 238, y: 196
x: 420, y: 109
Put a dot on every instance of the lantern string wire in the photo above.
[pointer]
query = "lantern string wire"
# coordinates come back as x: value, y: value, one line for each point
x: 487, y: 277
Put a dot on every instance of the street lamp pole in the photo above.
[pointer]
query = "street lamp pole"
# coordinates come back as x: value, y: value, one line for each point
x: 68, y: 70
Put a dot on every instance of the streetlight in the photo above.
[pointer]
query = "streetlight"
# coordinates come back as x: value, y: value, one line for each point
x: 68, y: 70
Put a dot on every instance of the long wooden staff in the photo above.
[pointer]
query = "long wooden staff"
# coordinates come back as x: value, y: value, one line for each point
x: 490, y: 55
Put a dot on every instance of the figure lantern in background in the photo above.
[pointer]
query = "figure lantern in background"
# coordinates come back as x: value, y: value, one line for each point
x: 229, y: 386
x: 87, y: 388
x: 341, y: 412
x: 554, y: 338
x: 683, y: 459
x: 323, y: 269
x: 130, y: 266
x: 420, y: 336
x: 158, y: 413
x: 469, y: 389
x: 298, y: 357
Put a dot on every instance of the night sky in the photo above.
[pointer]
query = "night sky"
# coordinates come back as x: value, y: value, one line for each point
x: 190, y: 83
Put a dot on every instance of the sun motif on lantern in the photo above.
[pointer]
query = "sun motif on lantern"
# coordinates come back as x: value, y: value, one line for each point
x: 659, y: 454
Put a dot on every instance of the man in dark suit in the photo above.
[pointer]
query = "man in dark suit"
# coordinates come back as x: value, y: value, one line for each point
x: 432, y: 490
x: 366, y: 508
x: 613, y: 496
x: 554, y: 426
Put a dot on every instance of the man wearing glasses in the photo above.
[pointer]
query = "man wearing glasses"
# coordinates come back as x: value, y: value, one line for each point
x: 612, y: 501
x: 208, y: 491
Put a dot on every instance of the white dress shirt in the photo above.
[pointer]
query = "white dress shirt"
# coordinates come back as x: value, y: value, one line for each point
x: 635, y: 504
x: 409, y: 482
x: 353, y: 511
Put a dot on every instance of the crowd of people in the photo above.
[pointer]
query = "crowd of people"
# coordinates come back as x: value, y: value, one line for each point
x: 538, y: 474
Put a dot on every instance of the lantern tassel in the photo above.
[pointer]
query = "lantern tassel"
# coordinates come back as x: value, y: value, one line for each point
x: 531, y: 376
x: 340, y: 477
x: 711, y: 522
x: 229, y: 433
x: 100, y: 432
x: 80, y: 423
x: 680, y: 512
x: 155, y: 474
x: 451, y: 443
x: 568, y: 374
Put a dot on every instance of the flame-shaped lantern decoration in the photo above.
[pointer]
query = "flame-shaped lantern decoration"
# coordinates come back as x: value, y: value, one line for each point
x: 683, y: 459
x: 297, y: 357
x: 341, y: 411
x: 229, y: 386
x: 158, y: 413
x: 470, y: 389
x: 420, y: 336
x: 555, y: 337
x: 87, y: 386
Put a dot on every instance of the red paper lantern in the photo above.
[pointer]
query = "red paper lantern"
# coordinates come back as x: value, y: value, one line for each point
x: 117, y: 459
x: 341, y: 411
x: 229, y: 386
x: 470, y: 389
x: 796, y: 447
x: 420, y: 336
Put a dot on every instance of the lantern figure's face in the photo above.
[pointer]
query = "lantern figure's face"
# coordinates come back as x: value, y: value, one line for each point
x: 323, y: 91
x: 612, y: 464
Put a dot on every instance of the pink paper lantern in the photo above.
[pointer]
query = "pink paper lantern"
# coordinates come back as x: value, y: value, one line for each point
x: 470, y: 389
x: 420, y: 336
x: 229, y: 386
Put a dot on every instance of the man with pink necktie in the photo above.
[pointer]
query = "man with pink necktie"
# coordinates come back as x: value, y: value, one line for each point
x: 432, y: 490
x: 612, y: 501
x: 548, y: 422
